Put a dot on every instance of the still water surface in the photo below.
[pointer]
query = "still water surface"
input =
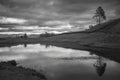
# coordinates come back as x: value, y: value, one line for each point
x: 59, y: 63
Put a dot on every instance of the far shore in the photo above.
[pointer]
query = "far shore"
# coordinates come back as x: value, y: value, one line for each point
x: 7, y: 42
x: 104, y: 35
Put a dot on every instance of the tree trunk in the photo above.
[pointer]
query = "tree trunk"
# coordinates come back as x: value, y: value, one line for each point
x: 99, y: 21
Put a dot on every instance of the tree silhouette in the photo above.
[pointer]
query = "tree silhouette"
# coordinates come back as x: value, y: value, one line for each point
x: 99, y: 15
x: 25, y: 35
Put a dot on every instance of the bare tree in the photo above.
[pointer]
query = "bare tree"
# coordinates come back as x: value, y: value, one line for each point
x: 99, y: 15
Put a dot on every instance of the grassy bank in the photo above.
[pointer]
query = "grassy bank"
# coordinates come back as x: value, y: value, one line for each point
x: 10, y: 71
x: 103, y: 35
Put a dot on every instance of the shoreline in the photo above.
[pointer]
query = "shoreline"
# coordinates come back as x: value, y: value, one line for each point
x: 10, y: 71
x: 17, y: 41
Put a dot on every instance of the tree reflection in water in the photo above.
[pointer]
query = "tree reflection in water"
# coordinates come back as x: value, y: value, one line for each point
x: 25, y: 45
x: 100, y: 66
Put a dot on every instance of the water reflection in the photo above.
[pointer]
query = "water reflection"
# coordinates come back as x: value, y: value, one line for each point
x: 100, y: 66
x: 25, y: 45
x: 62, y: 63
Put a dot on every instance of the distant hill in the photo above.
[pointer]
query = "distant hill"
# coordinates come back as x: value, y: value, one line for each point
x: 112, y: 26
x: 105, y: 34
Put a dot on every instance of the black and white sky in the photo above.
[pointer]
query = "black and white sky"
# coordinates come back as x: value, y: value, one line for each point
x: 39, y: 16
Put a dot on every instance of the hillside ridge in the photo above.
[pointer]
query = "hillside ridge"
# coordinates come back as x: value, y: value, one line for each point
x: 103, y: 27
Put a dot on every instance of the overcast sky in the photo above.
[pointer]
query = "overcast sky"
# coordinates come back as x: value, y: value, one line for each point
x: 38, y: 16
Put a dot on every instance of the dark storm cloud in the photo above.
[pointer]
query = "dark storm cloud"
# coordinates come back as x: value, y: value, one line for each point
x: 16, y: 3
x: 41, y: 12
x: 36, y: 7
x: 22, y: 8
x: 79, y: 6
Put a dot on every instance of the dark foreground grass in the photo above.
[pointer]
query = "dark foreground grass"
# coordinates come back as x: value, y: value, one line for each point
x: 10, y: 71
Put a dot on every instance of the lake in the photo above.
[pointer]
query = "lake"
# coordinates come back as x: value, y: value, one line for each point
x: 59, y: 63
